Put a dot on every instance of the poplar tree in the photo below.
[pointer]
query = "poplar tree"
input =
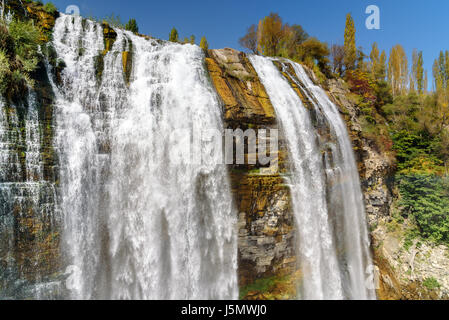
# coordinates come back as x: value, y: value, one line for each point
x: 350, y: 47
x: 398, y: 75
x: 174, y: 36
x: 382, y: 70
x: 417, y: 72
x: 375, y: 60
x: 203, y: 43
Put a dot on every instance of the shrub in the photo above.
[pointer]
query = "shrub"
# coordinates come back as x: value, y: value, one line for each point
x: 431, y: 283
x: 50, y: 8
x: 4, y: 71
x: 425, y: 198
x: 26, y: 38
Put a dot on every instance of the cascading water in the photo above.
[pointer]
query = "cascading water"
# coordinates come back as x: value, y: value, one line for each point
x: 138, y: 224
x: 332, y: 235
x: 27, y: 200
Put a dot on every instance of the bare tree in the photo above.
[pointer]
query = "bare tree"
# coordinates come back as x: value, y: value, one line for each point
x: 249, y: 41
x: 338, y: 56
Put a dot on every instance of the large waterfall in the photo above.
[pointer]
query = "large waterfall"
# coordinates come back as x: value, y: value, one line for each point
x: 333, y: 244
x: 105, y: 193
x: 140, y: 222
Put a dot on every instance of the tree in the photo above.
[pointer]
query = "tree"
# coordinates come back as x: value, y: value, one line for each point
x: 338, y: 56
x: 292, y: 39
x: 192, y: 39
x: 249, y: 40
x: 312, y: 51
x: 203, y: 44
x: 132, y: 26
x: 398, y: 70
x: 381, y: 72
x: 361, y: 64
x: 174, y: 36
x: 270, y: 34
x: 349, y: 45
x: 417, y: 77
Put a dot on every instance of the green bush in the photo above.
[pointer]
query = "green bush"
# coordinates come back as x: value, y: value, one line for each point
x: 50, y: 8
x: 431, y: 283
x: 425, y: 198
x: 19, y: 57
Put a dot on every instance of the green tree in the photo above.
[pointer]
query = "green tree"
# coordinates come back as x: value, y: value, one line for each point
x: 174, y: 36
x: 349, y: 44
x: 192, y: 39
x: 203, y: 44
x: 132, y: 26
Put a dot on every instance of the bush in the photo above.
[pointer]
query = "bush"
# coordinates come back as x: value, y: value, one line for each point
x: 19, y: 57
x: 26, y: 38
x: 425, y: 198
x: 50, y: 8
x: 431, y: 283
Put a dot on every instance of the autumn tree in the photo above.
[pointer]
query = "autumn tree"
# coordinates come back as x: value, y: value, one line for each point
x: 312, y: 51
x: 204, y: 44
x: 174, y: 36
x: 417, y: 77
x: 293, y: 38
x: 249, y: 40
x: 441, y: 75
x: 398, y: 70
x: 192, y: 39
x: 270, y: 34
x: 349, y: 45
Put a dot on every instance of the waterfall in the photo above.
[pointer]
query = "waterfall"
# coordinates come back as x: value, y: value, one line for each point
x: 333, y: 244
x: 138, y: 224
x: 27, y: 200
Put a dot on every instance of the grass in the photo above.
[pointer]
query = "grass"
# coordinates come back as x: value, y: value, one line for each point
x: 431, y: 283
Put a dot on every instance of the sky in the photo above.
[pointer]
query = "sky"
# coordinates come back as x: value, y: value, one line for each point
x: 423, y: 25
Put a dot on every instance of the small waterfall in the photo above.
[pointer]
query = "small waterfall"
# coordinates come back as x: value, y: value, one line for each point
x: 137, y: 223
x: 28, y: 201
x: 333, y: 246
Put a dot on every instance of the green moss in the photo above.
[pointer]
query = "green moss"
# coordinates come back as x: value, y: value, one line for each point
x: 261, y: 285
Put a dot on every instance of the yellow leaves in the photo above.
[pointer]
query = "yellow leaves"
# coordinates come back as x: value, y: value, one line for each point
x: 398, y: 70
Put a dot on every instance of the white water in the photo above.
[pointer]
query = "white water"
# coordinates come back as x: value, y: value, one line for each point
x: 333, y: 251
x: 23, y: 195
x: 139, y: 225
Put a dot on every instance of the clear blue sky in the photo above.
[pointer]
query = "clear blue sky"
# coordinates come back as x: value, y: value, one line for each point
x: 414, y: 23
